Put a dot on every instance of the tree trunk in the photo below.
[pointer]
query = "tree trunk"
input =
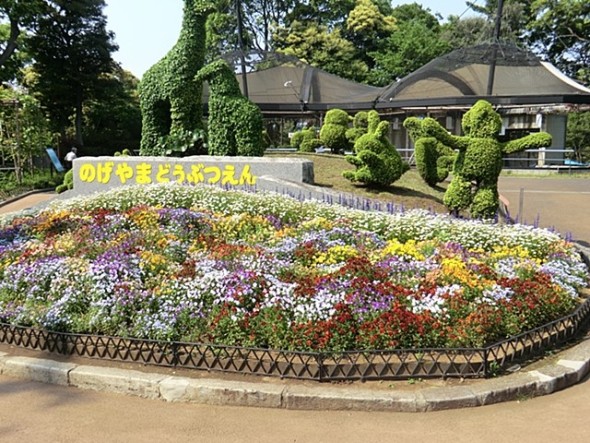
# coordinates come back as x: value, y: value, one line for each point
x: 11, y: 43
x: 79, y: 116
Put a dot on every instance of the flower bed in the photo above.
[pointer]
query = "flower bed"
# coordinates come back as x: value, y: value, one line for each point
x: 203, y: 264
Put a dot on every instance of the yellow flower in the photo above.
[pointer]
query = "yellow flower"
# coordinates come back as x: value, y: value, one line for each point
x: 409, y: 249
x: 336, y: 254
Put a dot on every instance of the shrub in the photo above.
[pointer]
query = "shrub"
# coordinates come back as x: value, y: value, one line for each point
x: 376, y: 159
x: 333, y: 131
x: 479, y: 161
x: 433, y: 159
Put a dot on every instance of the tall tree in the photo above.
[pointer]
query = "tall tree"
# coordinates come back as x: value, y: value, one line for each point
x: 415, y: 42
x: 72, y: 50
x: 560, y: 33
x: 316, y: 45
x: 112, y: 118
x: 18, y: 16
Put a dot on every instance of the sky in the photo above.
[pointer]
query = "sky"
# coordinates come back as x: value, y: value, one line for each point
x: 145, y: 30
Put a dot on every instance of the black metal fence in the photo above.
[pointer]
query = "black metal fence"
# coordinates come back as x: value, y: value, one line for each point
x: 354, y: 365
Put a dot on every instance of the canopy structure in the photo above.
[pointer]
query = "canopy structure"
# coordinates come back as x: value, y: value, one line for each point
x: 296, y: 87
x: 501, y: 73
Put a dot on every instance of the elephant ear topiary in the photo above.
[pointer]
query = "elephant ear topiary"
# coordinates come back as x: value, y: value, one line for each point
x: 433, y: 159
x: 333, y: 131
x: 479, y: 160
x: 377, y: 161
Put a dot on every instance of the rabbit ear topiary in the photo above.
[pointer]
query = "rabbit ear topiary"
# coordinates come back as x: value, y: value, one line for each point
x: 376, y: 159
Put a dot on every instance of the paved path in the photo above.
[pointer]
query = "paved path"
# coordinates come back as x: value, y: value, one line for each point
x: 557, y: 202
x: 33, y: 412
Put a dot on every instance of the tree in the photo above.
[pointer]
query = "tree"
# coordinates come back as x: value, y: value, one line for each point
x: 23, y: 128
x: 560, y: 33
x: 464, y: 32
x: 316, y: 45
x: 112, y: 119
x: 367, y: 27
x: 409, y: 48
x: 578, y: 135
x: 72, y: 50
x: 18, y: 15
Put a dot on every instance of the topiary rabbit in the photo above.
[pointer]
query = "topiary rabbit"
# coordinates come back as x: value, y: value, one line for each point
x: 376, y: 159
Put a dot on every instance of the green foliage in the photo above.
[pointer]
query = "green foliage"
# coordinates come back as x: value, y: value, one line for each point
x: 169, y: 93
x: 235, y: 123
x: 16, y: 18
x: 433, y: 159
x: 333, y: 131
x: 183, y: 143
x: 560, y: 29
x: 113, y: 117
x: 310, y: 145
x: 302, y: 136
x: 72, y: 51
x: 320, y: 46
x: 23, y: 129
x: 67, y: 184
x: 412, y: 46
x: 479, y: 161
x: 377, y: 161
x: 578, y: 135
x: 360, y: 124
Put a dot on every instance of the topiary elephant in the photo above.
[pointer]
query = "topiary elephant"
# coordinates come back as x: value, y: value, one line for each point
x: 479, y: 160
x: 376, y: 159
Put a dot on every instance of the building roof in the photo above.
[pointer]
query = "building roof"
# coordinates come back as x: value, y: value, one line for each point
x: 459, y: 78
x: 463, y: 76
x: 301, y: 87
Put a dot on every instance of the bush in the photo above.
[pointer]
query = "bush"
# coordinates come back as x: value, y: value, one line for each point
x: 333, y: 131
x: 310, y: 145
x: 68, y: 182
x: 376, y: 159
x: 479, y: 161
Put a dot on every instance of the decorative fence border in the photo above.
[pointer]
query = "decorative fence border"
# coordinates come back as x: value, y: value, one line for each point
x: 324, y: 367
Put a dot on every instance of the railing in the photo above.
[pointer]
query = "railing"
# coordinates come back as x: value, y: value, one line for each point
x: 319, y: 366
x: 539, y: 158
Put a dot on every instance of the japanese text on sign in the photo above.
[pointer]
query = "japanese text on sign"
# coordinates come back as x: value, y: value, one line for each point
x: 146, y: 173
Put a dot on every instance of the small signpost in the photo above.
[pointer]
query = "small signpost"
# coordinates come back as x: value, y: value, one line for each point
x: 55, y: 160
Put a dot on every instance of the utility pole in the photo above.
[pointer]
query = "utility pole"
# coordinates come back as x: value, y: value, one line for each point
x: 496, y: 42
x: 241, y: 48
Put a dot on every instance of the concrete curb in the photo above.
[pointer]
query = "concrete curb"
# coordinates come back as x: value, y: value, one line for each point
x: 559, y: 373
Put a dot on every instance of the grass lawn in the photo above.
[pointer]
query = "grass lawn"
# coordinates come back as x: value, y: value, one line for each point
x: 409, y: 191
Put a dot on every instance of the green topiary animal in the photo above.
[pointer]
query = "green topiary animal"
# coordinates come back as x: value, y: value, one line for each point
x: 235, y: 123
x: 68, y: 182
x: 360, y: 123
x: 302, y: 136
x: 433, y: 159
x: 377, y: 161
x: 333, y: 131
x: 479, y: 161
x: 170, y: 98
